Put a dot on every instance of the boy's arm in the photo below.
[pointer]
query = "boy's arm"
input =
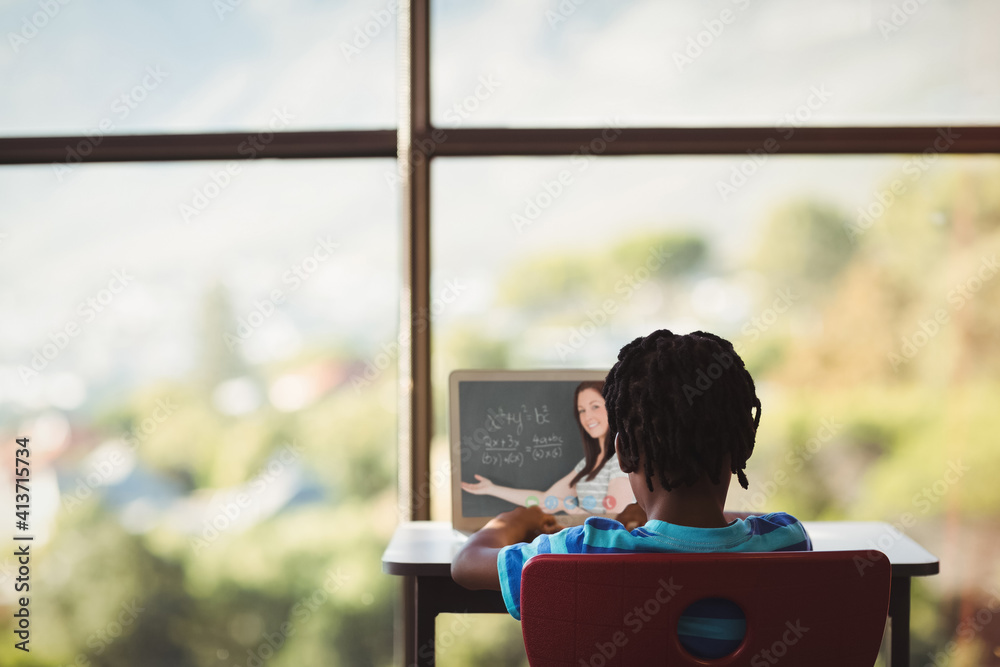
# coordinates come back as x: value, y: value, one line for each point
x: 475, y: 565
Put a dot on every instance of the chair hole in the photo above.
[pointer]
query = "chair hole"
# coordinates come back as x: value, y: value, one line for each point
x: 711, y: 628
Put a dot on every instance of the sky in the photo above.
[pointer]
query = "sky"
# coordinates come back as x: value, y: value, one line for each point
x: 254, y: 66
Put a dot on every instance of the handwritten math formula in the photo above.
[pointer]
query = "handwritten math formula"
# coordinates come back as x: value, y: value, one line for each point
x: 519, y: 435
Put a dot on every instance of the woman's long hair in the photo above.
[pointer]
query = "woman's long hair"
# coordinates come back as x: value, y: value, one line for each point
x: 591, y: 445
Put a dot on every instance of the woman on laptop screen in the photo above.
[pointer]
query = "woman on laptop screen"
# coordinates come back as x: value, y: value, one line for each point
x: 595, y: 485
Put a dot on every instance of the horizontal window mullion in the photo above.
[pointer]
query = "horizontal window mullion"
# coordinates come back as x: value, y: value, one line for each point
x: 224, y: 146
x: 488, y: 142
x: 714, y: 141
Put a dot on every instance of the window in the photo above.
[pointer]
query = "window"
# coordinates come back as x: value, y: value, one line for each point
x: 201, y: 391
x: 723, y: 63
x: 202, y: 341
x: 112, y: 67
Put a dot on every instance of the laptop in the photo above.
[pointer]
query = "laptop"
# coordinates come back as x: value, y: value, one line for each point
x: 513, y: 434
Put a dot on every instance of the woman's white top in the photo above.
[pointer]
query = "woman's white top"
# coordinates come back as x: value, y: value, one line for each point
x: 591, y: 493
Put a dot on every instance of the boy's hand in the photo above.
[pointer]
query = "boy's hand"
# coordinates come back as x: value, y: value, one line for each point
x: 523, y: 524
x: 475, y: 564
x: 632, y: 516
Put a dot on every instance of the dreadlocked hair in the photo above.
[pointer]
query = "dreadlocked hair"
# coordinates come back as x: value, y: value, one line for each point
x: 682, y: 405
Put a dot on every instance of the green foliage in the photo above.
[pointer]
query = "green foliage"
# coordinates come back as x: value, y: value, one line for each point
x: 567, y: 282
x: 479, y: 639
x: 804, y: 244
x: 105, y: 600
x: 847, y: 433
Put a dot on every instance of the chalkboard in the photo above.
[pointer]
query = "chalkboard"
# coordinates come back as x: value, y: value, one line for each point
x: 517, y: 434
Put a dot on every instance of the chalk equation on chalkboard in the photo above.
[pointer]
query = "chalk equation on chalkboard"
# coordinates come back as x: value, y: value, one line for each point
x: 510, y: 451
x: 499, y: 419
x: 503, y: 445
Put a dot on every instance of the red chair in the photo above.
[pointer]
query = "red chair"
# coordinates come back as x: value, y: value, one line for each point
x: 802, y: 608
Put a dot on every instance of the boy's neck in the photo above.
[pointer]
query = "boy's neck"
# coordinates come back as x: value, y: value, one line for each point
x: 698, y: 506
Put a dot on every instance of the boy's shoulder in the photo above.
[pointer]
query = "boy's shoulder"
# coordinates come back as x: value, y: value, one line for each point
x: 765, y: 532
x: 774, y: 519
x: 595, y: 532
x: 793, y: 535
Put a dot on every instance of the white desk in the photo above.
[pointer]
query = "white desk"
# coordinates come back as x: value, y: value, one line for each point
x: 421, y: 552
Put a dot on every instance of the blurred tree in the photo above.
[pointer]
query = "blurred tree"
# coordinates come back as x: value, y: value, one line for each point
x: 804, y: 245
x: 564, y: 283
x: 219, y: 339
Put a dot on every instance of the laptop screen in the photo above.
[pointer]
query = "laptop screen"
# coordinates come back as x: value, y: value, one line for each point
x: 521, y: 438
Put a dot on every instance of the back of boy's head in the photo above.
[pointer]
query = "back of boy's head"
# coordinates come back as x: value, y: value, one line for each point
x: 684, y: 403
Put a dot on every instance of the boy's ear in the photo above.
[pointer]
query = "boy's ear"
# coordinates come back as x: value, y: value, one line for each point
x: 622, y: 463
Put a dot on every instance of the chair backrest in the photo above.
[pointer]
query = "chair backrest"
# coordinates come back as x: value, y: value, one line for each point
x: 600, y: 610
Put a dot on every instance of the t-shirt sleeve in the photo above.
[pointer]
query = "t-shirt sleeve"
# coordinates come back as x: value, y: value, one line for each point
x: 511, y: 561
x: 781, y: 532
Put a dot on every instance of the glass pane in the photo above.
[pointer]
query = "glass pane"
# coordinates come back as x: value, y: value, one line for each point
x: 722, y: 62
x: 862, y: 292
x: 190, y: 66
x: 212, y: 468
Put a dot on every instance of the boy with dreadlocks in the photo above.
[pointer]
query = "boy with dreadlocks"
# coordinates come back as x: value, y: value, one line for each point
x: 683, y: 414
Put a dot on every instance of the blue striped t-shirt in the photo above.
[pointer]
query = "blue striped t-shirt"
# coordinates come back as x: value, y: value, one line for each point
x: 770, y: 532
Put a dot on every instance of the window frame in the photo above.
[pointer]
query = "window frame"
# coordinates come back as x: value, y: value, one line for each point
x: 416, y: 142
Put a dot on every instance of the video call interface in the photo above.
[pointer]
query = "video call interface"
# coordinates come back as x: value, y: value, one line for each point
x: 522, y: 435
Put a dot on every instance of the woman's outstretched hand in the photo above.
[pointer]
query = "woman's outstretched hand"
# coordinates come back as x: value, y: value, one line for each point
x: 483, y: 486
